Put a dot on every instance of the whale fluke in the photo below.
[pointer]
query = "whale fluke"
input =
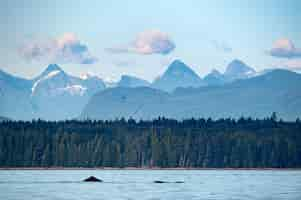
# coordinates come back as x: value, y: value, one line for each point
x: 92, y: 179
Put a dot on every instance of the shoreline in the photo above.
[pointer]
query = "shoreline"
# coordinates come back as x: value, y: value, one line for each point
x: 147, y: 168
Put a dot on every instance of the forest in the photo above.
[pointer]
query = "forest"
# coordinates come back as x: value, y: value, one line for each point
x: 164, y: 143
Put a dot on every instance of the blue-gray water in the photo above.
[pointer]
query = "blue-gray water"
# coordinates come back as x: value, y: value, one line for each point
x: 138, y: 184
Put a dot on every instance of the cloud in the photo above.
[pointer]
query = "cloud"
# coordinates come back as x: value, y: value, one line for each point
x: 284, y: 48
x: 65, y: 49
x: 147, y: 42
x: 221, y: 46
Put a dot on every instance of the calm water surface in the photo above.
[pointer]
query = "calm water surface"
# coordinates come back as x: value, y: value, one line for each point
x: 138, y: 184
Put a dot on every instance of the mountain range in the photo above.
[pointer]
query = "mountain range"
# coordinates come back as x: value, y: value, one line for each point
x: 277, y: 91
x: 178, y: 93
x: 52, y: 95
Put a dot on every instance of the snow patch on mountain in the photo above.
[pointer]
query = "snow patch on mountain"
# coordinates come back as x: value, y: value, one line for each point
x: 89, y: 75
x: 74, y: 90
x: 47, y: 76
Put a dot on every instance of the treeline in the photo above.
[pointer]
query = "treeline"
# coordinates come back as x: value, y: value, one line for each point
x: 243, y: 143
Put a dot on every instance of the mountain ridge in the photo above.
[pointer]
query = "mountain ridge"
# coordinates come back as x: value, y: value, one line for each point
x: 234, y: 99
x: 132, y: 81
x: 58, y: 95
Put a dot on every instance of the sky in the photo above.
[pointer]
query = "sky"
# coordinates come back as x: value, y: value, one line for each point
x: 140, y: 38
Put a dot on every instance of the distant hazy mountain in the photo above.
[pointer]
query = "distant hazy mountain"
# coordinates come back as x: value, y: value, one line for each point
x: 238, y: 70
x: 138, y: 102
x: 14, y: 96
x: 4, y: 119
x: 131, y: 81
x: 276, y: 91
x: 52, y: 95
x: 177, y: 75
x: 235, y: 70
x: 214, y: 78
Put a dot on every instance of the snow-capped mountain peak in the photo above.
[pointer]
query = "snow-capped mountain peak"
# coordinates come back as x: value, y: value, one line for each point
x: 50, y: 68
x: 178, y: 74
x: 54, y: 89
x: 238, y: 70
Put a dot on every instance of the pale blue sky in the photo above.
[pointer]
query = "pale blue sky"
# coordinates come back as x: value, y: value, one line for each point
x: 200, y: 31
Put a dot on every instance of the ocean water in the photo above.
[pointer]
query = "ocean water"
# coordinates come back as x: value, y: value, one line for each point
x: 139, y: 184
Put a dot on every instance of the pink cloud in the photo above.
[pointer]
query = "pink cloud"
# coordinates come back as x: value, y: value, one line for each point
x: 284, y: 48
x: 64, y: 49
x: 147, y: 42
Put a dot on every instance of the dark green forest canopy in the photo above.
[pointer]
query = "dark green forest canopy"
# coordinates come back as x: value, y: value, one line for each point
x: 243, y: 143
